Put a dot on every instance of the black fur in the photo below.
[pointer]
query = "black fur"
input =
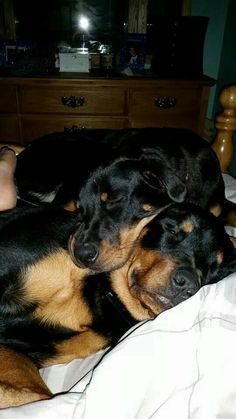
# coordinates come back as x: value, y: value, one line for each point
x: 60, y: 163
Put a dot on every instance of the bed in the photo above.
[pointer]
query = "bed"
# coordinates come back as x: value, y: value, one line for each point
x: 181, y: 364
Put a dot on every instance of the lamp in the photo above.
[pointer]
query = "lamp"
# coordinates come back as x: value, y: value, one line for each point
x: 83, y: 24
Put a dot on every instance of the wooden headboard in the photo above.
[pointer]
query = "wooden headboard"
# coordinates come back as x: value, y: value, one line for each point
x: 225, y: 124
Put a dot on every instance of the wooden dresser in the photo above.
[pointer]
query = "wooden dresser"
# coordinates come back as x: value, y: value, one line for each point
x: 34, y: 106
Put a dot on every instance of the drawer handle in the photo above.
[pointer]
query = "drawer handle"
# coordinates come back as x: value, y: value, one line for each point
x: 74, y: 128
x: 73, y: 101
x: 165, y: 102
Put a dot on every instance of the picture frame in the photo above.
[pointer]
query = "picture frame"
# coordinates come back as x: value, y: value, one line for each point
x: 132, y: 54
x: 9, y: 50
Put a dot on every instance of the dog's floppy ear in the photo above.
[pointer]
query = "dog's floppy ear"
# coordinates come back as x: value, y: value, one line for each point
x: 169, y: 183
x: 159, y: 175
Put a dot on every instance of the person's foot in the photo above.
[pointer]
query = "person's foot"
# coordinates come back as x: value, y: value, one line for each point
x: 8, y: 194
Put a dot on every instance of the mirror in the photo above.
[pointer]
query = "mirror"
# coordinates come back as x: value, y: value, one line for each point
x: 93, y: 26
x: 70, y: 21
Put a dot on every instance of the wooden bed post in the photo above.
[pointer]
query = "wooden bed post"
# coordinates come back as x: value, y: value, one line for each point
x: 226, y: 125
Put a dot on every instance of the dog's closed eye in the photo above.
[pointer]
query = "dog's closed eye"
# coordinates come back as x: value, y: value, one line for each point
x: 171, y: 227
x: 111, y: 201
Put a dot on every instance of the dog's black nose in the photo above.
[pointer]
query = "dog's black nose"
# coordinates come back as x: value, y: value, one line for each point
x: 86, y: 253
x: 186, y: 281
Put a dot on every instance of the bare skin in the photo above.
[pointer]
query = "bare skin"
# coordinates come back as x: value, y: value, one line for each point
x: 8, y: 194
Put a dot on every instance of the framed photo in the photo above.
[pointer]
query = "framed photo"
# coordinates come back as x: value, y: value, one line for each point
x: 132, y: 54
x: 9, y: 50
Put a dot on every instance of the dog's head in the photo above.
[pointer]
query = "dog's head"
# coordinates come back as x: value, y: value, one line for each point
x: 114, y: 205
x: 180, y: 250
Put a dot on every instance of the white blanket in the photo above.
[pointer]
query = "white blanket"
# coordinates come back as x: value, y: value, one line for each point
x: 181, y: 364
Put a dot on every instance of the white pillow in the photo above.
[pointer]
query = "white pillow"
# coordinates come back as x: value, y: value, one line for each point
x: 230, y: 187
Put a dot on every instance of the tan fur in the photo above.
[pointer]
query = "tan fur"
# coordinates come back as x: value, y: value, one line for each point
x: 20, y: 381
x: 79, y: 346
x: 113, y: 256
x: 55, y: 284
x: 187, y: 227
x: 71, y: 206
x: 233, y: 240
x: 147, y: 207
x: 231, y: 218
x: 120, y: 282
x: 153, y: 275
x: 220, y: 257
x: 216, y: 210
x: 104, y: 196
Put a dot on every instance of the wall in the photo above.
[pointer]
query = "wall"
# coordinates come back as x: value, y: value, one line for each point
x: 219, y: 59
x: 217, y: 11
x: 227, y: 68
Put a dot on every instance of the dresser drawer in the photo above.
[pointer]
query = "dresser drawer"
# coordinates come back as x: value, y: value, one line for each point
x: 9, y: 129
x: 164, y: 103
x: 33, y: 128
x: 8, y: 103
x: 72, y: 100
x: 34, y: 106
x: 175, y: 121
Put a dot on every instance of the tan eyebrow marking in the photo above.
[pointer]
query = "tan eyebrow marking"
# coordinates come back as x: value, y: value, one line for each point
x: 147, y: 207
x: 187, y: 227
x: 216, y: 210
x: 220, y: 257
x: 104, y: 196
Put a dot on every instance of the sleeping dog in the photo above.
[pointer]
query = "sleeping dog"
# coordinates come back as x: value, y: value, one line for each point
x: 177, y: 163
x: 52, y: 311
x: 142, y: 170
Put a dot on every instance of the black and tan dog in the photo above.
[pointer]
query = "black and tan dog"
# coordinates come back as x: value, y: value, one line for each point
x: 52, y: 311
x: 142, y: 170
x: 176, y: 162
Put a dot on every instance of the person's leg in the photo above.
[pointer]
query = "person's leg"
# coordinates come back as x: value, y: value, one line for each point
x: 8, y: 194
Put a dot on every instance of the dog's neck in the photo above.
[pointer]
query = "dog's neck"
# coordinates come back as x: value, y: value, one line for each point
x: 107, y: 308
x: 121, y: 287
x: 117, y: 305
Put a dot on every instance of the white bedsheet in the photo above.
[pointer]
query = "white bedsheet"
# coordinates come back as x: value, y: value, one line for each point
x: 180, y: 365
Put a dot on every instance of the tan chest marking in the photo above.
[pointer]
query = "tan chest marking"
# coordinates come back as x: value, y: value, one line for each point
x: 55, y: 284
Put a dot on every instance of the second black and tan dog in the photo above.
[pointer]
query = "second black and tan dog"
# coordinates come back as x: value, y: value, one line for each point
x: 52, y: 311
